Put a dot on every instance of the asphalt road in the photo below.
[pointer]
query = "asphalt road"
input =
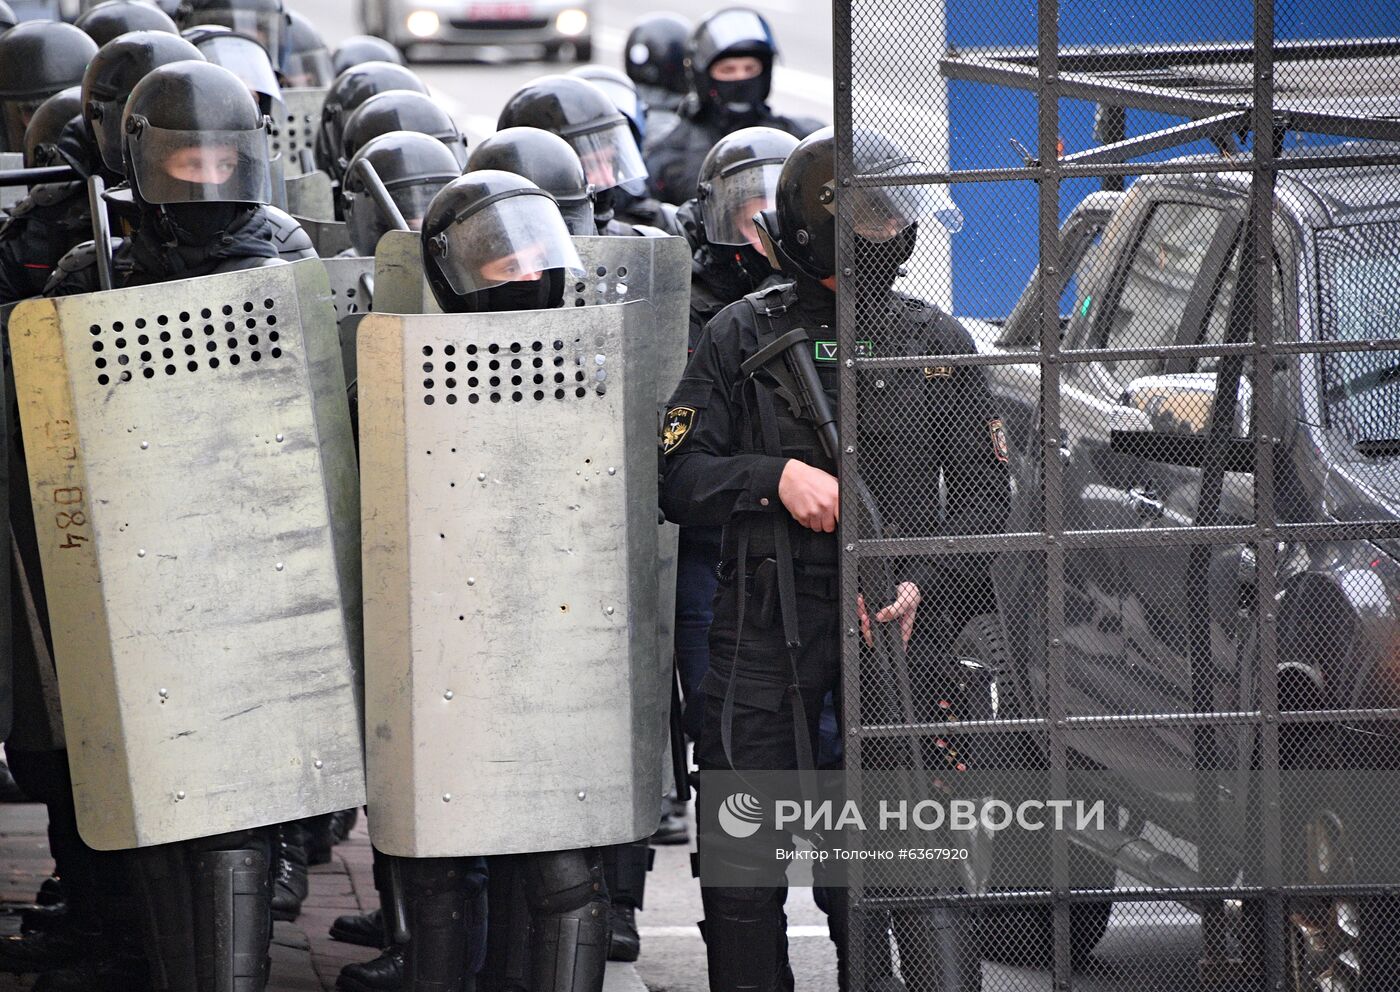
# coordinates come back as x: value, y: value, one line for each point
x: 1149, y: 947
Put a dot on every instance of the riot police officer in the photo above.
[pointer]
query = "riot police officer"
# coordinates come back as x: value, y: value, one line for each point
x: 737, y: 456
x: 655, y: 59
x: 265, y: 21
x: 306, y: 61
x: 582, y: 115
x: 413, y: 168
x: 114, y: 18
x: 493, y: 241
x: 730, y: 58
x: 549, y: 162
x: 37, y: 59
x: 351, y: 88
x: 402, y: 110
x: 361, y: 48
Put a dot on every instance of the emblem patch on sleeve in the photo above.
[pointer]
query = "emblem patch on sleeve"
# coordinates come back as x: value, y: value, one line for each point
x: 999, y: 446
x: 932, y: 372
x: 679, y: 421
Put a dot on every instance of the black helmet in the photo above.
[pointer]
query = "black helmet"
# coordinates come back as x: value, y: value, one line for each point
x: 45, y: 127
x: 738, y: 178
x: 729, y: 33
x: 112, y: 74
x: 351, y: 88
x: 413, y: 167
x: 801, y: 231
x: 193, y: 134
x: 582, y: 115
x: 496, y: 241
x: 242, y: 56
x: 306, y: 61
x: 37, y: 59
x: 549, y: 162
x: 362, y: 48
x: 7, y: 17
x: 117, y: 17
x: 655, y: 52
x: 402, y: 110
x: 623, y: 94
x: 265, y: 21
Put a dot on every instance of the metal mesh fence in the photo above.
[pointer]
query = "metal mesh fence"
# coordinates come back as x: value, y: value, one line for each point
x: 1146, y: 488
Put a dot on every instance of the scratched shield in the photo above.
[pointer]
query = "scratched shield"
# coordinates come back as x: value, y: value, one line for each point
x: 515, y: 696
x: 195, y: 494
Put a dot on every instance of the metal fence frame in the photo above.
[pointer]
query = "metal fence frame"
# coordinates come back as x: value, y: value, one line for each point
x: 1053, y: 541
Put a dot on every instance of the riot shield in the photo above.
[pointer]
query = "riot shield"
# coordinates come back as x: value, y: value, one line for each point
x: 509, y: 504
x: 399, y: 285
x: 349, y: 279
x: 298, y: 133
x: 309, y: 195
x: 195, y: 496
x: 10, y: 195
x: 329, y: 236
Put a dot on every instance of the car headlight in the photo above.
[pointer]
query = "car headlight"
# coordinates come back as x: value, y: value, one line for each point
x: 422, y: 23
x: 572, y: 22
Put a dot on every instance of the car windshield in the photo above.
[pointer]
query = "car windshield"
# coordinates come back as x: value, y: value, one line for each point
x: 1358, y: 274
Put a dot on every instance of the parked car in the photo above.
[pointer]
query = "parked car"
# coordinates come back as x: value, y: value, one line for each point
x: 1156, y: 630
x: 552, y: 25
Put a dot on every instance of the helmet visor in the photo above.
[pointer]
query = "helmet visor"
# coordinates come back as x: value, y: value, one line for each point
x: 106, y: 119
x: 242, y: 58
x: 733, y: 198
x: 732, y: 29
x: 609, y: 155
x: 263, y: 26
x: 884, y: 212
x: 308, y: 70
x: 578, y: 216
x: 367, y: 225
x: 199, y: 166
x: 17, y: 115
x: 509, y: 240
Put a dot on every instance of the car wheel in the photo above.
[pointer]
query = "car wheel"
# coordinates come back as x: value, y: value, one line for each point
x: 1024, y: 935
x: 583, y: 50
x: 553, y: 52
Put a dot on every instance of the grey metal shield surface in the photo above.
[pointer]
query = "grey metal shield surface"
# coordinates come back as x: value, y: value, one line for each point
x: 399, y: 285
x: 309, y: 195
x: 331, y: 237
x: 297, y: 137
x: 194, y: 487
x: 349, y: 293
x: 10, y: 195
x: 515, y: 697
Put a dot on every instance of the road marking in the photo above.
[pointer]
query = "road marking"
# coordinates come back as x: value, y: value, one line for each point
x: 692, y: 931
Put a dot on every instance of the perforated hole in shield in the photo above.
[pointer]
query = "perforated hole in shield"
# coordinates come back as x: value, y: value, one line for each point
x: 601, y: 286
x: 189, y: 343
x: 521, y: 372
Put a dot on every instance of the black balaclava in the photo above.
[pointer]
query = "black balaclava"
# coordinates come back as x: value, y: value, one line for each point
x: 544, y: 293
x: 878, y: 263
x: 196, y: 225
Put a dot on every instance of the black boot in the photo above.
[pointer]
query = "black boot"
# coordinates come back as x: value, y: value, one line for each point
x: 436, y: 892
x: 569, y: 938
x: 948, y: 949
x: 625, y: 868
x: 672, y: 828
x: 50, y: 892
x: 118, y: 973
x: 317, y: 838
x: 232, y: 912
x: 363, y: 929
x: 291, y: 885
x: 342, y: 822
x: 384, y: 974
x: 10, y: 792
x: 160, y: 881
x: 745, y: 933
x: 54, y: 948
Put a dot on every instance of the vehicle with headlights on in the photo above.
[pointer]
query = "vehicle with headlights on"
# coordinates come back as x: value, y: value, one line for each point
x: 556, y: 26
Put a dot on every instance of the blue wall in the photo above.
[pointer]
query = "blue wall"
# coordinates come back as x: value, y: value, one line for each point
x: 995, y: 253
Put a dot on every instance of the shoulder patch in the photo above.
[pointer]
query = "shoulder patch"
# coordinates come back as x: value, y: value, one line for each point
x: 999, y: 446
x: 676, y: 427
x: 932, y: 372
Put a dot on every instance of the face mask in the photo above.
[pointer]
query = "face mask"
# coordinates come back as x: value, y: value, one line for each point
x: 544, y: 293
x: 603, y: 207
x: 741, y: 96
x: 753, y: 263
x: 878, y: 262
x: 199, y: 224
